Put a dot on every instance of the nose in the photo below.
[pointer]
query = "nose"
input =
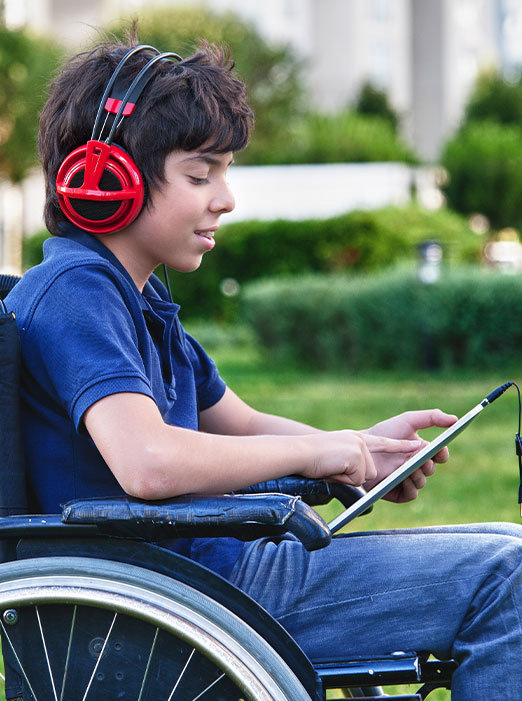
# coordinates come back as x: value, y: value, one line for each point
x: 224, y: 200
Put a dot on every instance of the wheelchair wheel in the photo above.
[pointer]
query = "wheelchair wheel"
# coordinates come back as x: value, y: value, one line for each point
x: 89, y: 629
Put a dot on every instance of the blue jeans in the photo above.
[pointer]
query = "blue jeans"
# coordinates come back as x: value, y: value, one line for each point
x: 455, y: 591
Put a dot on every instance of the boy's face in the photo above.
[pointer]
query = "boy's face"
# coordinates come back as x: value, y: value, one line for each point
x: 178, y: 226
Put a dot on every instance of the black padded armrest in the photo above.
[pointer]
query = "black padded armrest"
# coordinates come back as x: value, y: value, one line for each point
x: 241, y: 516
x: 312, y: 492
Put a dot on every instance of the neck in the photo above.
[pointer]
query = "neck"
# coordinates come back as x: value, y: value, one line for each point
x: 139, y: 269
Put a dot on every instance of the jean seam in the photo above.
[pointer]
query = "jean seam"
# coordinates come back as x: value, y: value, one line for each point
x: 390, y: 591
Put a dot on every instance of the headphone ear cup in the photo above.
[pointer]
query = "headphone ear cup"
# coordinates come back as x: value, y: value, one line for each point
x: 100, y: 188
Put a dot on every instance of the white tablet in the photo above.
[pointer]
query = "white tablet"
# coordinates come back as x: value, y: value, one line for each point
x: 400, y: 474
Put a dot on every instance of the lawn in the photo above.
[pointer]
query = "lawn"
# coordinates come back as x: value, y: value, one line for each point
x: 479, y: 483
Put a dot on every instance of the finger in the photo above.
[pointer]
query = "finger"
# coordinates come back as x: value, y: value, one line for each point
x: 370, y: 469
x: 429, y: 468
x: 418, y: 478
x: 409, y: 491
x: 381, y: 444
x: 430, y: 417
x: 442, y: 456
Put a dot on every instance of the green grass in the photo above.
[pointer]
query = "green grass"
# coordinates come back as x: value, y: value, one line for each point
x: 479, y: 483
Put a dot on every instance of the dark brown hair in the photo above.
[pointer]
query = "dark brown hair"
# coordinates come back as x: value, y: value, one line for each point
x: 187, y: 104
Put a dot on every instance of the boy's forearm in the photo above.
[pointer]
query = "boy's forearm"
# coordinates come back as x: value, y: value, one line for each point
x: 185, y: 462
x: 270, y: 424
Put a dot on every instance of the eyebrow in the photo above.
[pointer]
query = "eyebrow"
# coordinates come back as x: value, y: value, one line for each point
x: 210, y: 160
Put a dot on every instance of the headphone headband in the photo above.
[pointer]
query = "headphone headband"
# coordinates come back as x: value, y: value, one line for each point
x: 135, y: 89
x: 122, y: 106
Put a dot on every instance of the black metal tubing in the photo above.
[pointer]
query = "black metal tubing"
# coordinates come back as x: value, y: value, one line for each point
x: 438, y: 671
x: 48, y: 526
x: 399, y: 668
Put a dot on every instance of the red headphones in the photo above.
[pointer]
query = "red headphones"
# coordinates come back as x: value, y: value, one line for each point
x: 99, y: 187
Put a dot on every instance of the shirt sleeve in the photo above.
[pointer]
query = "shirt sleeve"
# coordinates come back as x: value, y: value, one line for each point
x: 81, y: 343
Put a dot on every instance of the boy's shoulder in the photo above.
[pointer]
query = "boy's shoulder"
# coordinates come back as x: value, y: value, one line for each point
x: 70, y: 273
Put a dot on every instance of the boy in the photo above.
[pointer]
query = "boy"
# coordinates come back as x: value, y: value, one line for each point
x: 118, y: 398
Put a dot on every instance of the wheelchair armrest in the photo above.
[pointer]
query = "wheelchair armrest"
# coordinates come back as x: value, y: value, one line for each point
x: 241, y: 516
x: 312, y: 492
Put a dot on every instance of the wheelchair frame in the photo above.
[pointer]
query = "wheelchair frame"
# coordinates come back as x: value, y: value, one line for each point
x: 90, y: 608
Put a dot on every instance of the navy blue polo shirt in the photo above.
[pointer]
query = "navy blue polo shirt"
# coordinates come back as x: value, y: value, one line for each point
x: 87, y: 332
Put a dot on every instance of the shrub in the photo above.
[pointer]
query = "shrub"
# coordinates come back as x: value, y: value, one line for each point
x: 484, y: 163
x: 495, y: 99
x: 346, y: 137
x: 470, y: 318
x: 32, y: 249
x: 372, y: 101
x: 355, y: 241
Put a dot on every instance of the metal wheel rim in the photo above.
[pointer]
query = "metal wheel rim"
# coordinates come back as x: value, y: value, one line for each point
x: 173, y: 616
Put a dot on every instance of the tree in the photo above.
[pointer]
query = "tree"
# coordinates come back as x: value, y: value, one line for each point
x: 374, y: 102
x: 270, y: 72
x: 483, y: 158
x: 496, y: 100
x: 26, y: 63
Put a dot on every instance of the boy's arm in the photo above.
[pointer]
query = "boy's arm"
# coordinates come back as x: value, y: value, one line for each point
x: 231, y: 415
x: 152, y: 460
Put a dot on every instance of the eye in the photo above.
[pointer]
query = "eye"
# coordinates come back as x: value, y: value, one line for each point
x: 198, y: 181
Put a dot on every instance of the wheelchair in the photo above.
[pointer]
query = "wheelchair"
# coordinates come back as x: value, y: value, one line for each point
x: 92, y: 608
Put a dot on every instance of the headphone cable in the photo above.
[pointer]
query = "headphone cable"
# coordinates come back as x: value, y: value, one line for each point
x: 167, y: 285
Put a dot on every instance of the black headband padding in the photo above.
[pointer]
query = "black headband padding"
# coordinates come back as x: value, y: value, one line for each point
x: 90, y: 209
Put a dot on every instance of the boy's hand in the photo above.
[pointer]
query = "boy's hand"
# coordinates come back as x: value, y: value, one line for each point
x: 403, y: 426
x: 349, y: 456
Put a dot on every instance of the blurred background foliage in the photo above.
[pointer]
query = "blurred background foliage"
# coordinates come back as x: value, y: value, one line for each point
x: 26, y: 64
x: 469, y: 318
x: 286, y: 131
x: 359, y: 241
x: 482, y: 162
x: 484, y: 157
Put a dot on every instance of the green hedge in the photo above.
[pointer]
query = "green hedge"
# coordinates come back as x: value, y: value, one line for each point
x: 469, y: 318
x: 355, y: 241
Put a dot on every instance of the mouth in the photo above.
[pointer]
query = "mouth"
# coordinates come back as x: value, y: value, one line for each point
x: 206, y: 233
x: 206, y: 236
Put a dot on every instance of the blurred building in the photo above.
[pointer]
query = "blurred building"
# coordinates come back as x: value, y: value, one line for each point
x: 426, y: 54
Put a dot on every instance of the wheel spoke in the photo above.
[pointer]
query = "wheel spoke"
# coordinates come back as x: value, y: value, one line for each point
x: 46, y: 653
x: 68, y: 656
x: 18, y: 660
x: 208, y: 687
x: 181, y: 675
x: 100, y: 656
x: 148, y: 663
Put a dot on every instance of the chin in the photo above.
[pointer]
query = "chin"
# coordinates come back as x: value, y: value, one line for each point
x: 186, y: 267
